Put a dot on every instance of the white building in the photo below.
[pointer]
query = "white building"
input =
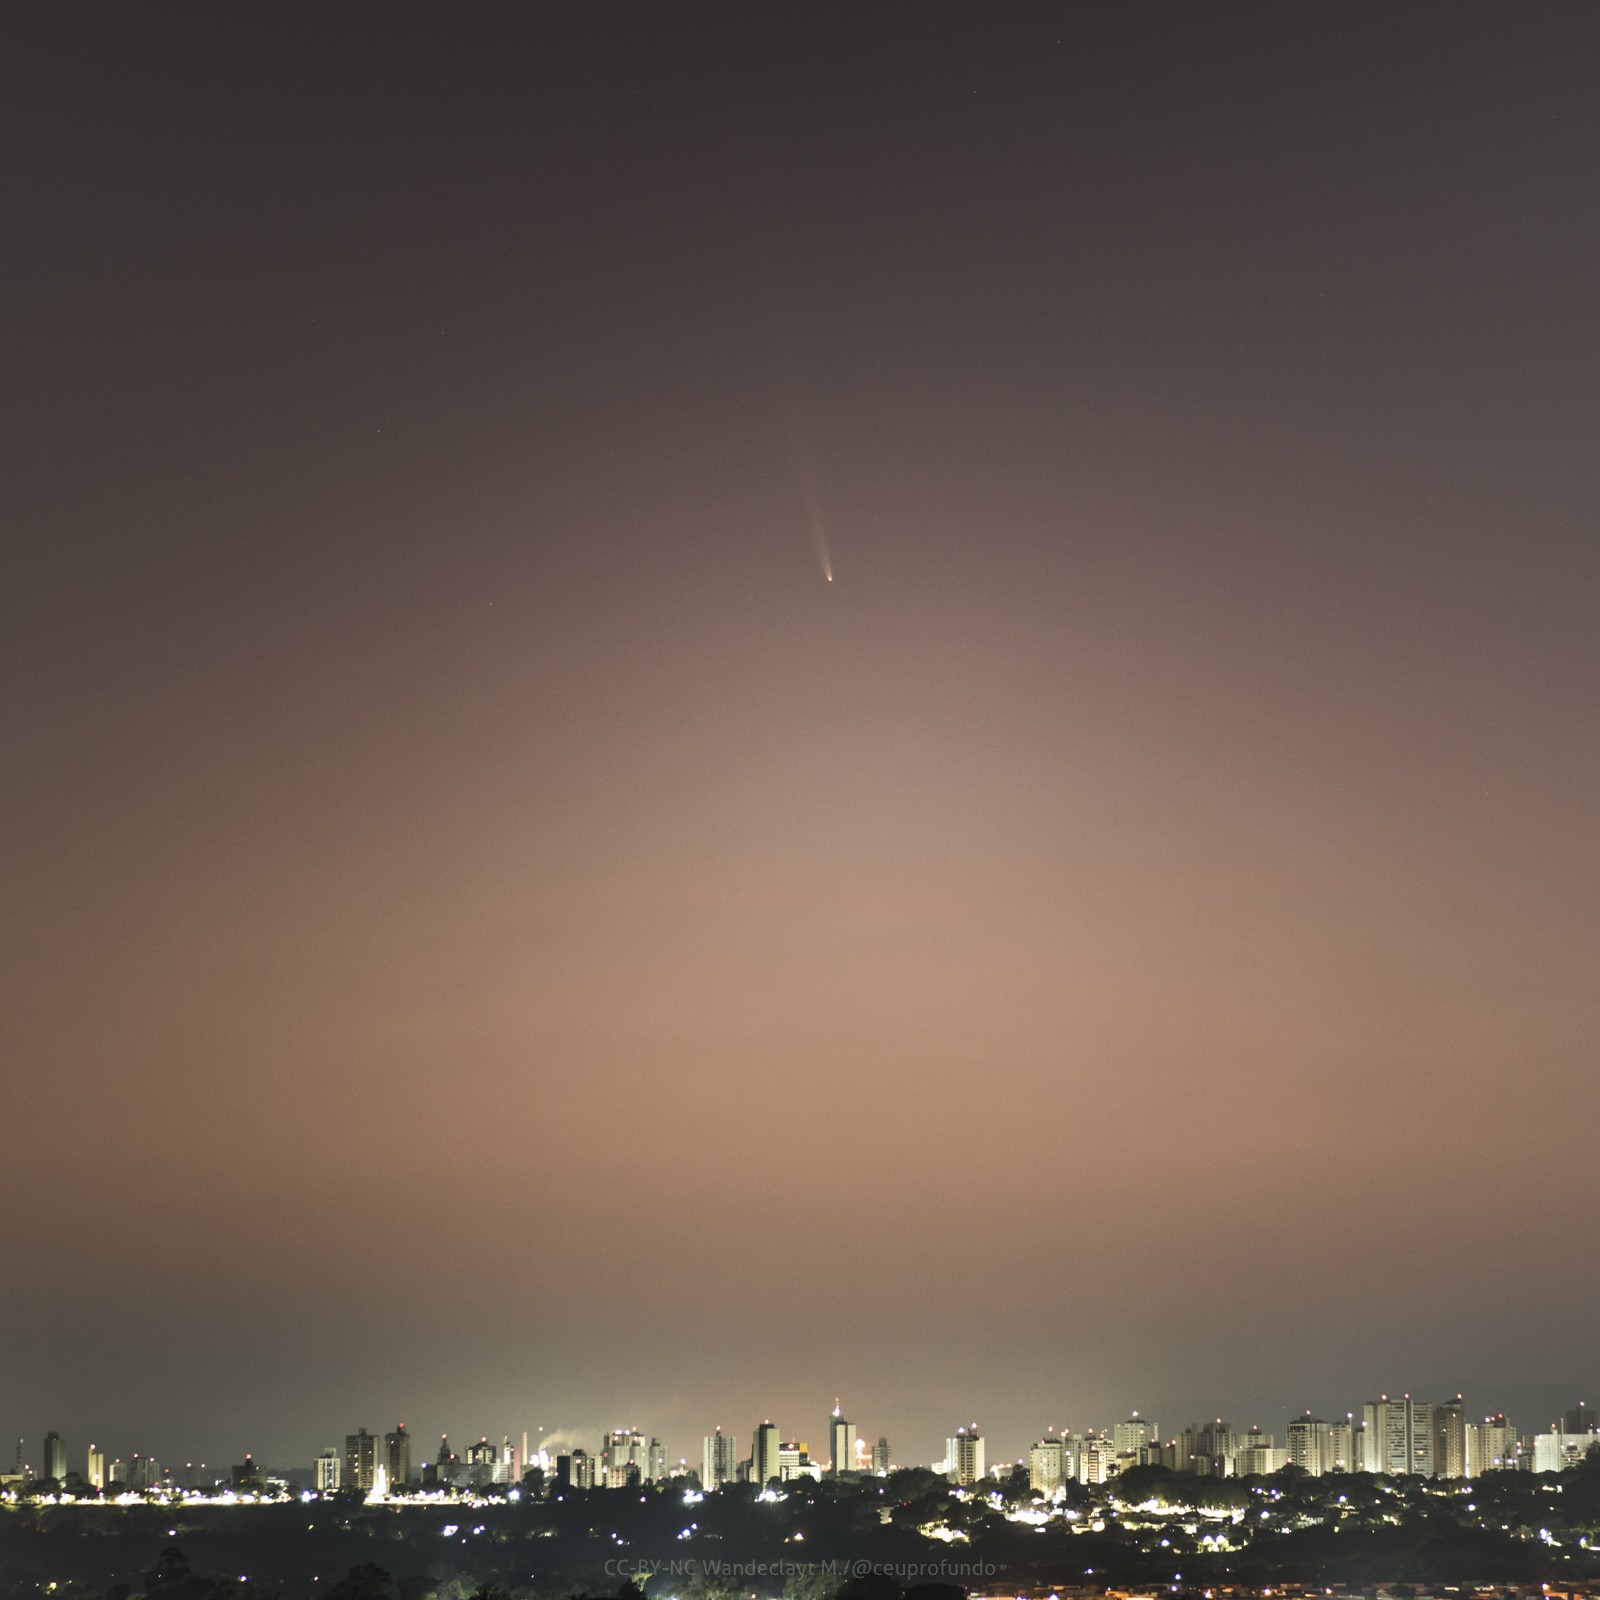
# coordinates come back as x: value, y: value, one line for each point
x: 1491, y: 1446
x: 1398, y: 1436
x: 1342, y: 1443
x: 1256, y: 1460
x: 1096, y: 1460
x: 1045, y: 1470
x: 627, y: 1459
x: 719, y: 1455
x: 327, y: 1469
x: 1133, y: 1437
x: 1246, y: 1452
x: 842, y: 1443
x: 794, y: 1461
x: 1310, y: 1445
x: 1319, y: 1447
x: 1555, y: 1452
x: 966, y: 1460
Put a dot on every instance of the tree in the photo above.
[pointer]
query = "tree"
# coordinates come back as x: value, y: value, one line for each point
x: 809, y: 1586
x: 365, y: 1582
x: 170, y: 1576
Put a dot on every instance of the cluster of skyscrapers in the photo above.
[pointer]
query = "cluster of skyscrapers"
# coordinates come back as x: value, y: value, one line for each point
x: 626, y: 1458
x: 774, y: 1459
x: 137, y: 1475
x: 382, y: 1464
x: 1392, y: 1435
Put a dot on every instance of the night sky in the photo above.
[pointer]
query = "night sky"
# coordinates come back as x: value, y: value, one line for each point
x: 491, y: 936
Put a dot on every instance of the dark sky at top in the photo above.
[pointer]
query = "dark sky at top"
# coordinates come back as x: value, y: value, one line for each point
x: 492, y: 937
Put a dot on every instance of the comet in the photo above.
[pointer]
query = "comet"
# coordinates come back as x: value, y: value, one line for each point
x: 807, y: 480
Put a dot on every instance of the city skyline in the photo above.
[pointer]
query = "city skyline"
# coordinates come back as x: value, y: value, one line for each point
x: 708, y: 707
x: 1378, y: 1435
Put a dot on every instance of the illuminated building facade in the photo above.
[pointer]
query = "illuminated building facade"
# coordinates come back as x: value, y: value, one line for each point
x: 966, y: 1463
x: 1045, y: 1470
x: 841, y: 1444
x: 360, y: 1460
x: 397, y: 1457
x: 764, y: 1454
x: 719, y: 1456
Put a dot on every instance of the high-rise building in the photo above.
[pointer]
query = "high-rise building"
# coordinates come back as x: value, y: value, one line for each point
x: 1398, y: 1436
x: 360, y: 1460
x: 55, y: 1456
x: 1096, y: 1460
x: 397, y: 1457
x: 1319, y: 1447
x: 1342, y: 1436
x: 1449, y: 1441
x: 880, y: 1458
x: 1311, y: 1445
x: 1556, y: 1451
x: 625, y: 1458
x: 719, y: 1455
x: 764, y: 1444
x: 1256, y: 1453
x: 1385, y: 1436
x: 1582, y: 1418
x: 96, y: 1475
x: 966, y: 1465
x: 483, y: 1460
x: 1491, y: 1445
x: 1044, y: 1466
x: 1420, y: 1424
x: 1130, y: 1438
x: 1207, y: 1450
x: 842, y: 1443
x: 327, y: 1470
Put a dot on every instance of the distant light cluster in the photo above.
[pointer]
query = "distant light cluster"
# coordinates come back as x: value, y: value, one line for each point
x: 1392, y: 1436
